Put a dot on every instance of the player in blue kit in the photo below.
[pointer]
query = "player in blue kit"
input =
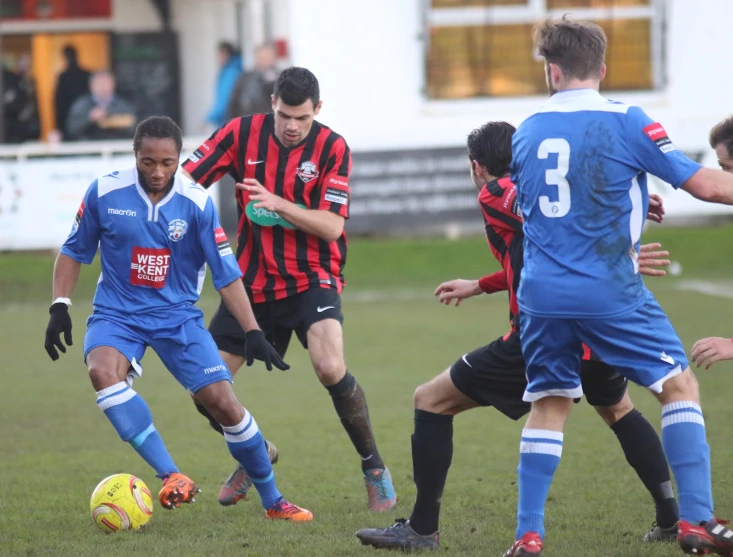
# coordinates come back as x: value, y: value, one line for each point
x: 156, y: 233
x: 580, y: 166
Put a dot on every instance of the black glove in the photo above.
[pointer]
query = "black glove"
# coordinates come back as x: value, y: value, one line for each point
x: 256, y: 347
x: 60, y: 322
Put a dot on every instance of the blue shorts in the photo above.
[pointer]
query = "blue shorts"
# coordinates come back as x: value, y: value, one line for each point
x: 186, y: 349
x: 641, y: 345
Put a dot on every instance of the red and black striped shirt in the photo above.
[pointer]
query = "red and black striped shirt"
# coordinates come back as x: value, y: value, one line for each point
x: 276, y: 259
x: 503, y: 220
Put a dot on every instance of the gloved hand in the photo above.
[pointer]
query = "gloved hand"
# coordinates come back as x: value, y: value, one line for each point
x: 257, y: 348
x: 60, y: 322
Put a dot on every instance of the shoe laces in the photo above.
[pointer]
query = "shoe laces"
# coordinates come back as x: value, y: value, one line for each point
x: 399, y: 524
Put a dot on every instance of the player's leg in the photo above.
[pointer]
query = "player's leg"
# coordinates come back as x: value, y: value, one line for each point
x: 552, y: 353
x: 316, y: 317
x: 230, y: 340
x: 113, y: 352
x: 644, y: 347
x: 492, y: 375
x: 190, y: 353
x: 606, y: 390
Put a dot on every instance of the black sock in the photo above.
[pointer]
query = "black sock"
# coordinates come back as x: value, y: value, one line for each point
x: 432, y: 453
x: 351, y: 406
x: 205, y: 413
x: 644, y: 452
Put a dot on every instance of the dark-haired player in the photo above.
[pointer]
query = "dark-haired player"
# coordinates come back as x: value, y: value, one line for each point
x: 293, y: 179
x: 156, y: 233
x: 494, y: 375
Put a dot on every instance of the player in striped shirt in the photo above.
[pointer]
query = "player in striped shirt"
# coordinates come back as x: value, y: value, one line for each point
x: 494, y: 375
x: 292, y: 174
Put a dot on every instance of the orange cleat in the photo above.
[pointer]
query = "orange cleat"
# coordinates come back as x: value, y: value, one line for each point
x: 283, y: 510
x: 177, y: 489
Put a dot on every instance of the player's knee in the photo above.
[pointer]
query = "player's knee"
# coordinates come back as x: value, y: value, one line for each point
x: 681, y: 387
x: 329, y: 370
x: 422, y: 398
x: 102, y: 376
x: 612, y: 414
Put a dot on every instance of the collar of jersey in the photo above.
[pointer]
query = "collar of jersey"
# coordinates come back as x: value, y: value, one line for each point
x: 573, y: 95
x: 154, y: 209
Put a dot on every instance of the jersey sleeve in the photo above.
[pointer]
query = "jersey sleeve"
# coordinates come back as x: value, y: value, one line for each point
x: 218, y: 252
x: 335, y: 194
x: 495, y: 282
x: 216, y: 156
x: 652, y: 150
x: 83, y: 241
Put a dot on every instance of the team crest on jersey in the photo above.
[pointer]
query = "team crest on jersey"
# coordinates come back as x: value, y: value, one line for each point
x: 307, y: 171
x: 177, y: 229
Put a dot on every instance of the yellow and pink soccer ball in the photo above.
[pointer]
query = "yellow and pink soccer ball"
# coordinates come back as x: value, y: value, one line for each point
x: 121, y: 502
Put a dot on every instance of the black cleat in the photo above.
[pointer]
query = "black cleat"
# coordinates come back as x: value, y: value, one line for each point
x: 399, y: 536
x: 659, y: 534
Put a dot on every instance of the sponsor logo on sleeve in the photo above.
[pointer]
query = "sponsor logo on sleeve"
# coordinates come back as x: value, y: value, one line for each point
x: 222, y: 242
x: 196, y: 156
x: 77, y: 218
x: 659, y: 136
x: 149, y: 266
x: 336, y: 196
x: 177, y: 228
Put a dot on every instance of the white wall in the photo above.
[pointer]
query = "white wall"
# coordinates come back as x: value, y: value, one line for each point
x: 134, y: 15
x: 369, y: 59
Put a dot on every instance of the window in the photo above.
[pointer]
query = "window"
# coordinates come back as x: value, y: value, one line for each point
x: 483, y: 48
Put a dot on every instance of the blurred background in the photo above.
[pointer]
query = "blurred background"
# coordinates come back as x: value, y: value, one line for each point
x: 403, y: 81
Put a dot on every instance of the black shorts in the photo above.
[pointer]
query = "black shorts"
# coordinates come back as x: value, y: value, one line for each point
x: 278, y: 320
x: 494, y: 375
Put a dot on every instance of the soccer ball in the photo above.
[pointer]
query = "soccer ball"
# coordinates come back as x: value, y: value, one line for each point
x: 121, y: 502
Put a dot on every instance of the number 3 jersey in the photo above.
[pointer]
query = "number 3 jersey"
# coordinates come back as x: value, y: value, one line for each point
x: 153, y: 256
x: 580, y: 167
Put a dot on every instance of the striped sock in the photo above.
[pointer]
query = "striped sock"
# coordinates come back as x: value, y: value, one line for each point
x: 247, y: 446
x: 131, y: 417
x: 539, y: 456
x: 688, y: 453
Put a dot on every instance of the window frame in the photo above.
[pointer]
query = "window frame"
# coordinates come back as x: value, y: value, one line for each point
x: 531, y: 12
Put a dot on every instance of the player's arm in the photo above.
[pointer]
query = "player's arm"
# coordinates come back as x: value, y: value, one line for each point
x: 324, y: 224
x: 710, y: 184
x: 653, y: 151
x: 226, y: 276
x: 707, y: 351
x: 80, y: 247
x: 460, y: 289
x: 216, y: 156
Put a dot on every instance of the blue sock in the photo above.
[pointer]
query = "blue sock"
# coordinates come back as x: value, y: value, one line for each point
x: 688, y: 453
x: 131, y: 417
x: 539, y: 455
x: 247, y: 446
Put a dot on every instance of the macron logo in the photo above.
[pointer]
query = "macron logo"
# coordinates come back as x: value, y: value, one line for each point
x: 122, y: 212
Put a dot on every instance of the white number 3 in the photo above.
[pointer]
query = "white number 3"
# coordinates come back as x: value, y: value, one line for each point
x: 556, y: 177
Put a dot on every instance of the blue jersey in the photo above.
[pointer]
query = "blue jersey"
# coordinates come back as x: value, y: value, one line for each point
x: 580, y: 167
x: 154, y: 257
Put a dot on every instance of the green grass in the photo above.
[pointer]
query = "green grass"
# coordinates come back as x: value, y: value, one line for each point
x: 56, y: 445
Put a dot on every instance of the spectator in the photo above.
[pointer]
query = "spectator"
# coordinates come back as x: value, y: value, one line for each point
x: 101, y: 114
x: 253, y: 91
x: 230, y: 68
x: 19, y: 104
x: 73, y: 83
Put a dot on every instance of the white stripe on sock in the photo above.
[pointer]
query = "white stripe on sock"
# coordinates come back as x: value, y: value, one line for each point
x: 680, y: 406
x: 116, y: 400
x: 111, y: 390
x: 683, y: 417
x: 542, y: 434
x: 541, y: 448
x: 242, y: 436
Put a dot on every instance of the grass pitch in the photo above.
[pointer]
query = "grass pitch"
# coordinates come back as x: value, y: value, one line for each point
x: 56, y: 445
